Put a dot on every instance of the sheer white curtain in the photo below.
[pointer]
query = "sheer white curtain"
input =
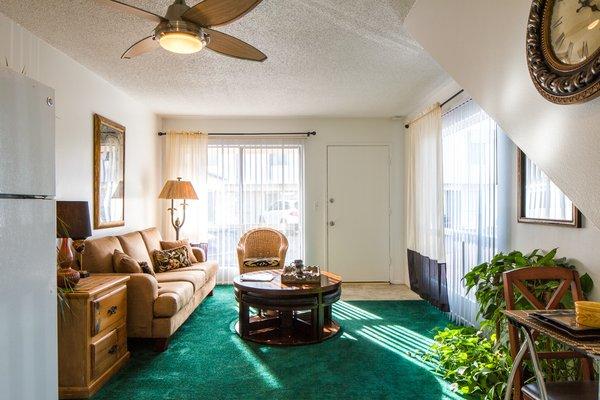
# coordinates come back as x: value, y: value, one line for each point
x: 186, y: 157
x: 252, y: 182
x: 424, y: 201
x: 469, y: 138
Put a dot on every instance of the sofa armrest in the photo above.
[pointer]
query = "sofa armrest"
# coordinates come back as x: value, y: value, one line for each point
x: 199, y: 254
x: 142, y: 290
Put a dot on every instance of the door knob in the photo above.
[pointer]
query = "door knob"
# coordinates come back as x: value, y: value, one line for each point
x: 331, y: 223
x: 332, y: 200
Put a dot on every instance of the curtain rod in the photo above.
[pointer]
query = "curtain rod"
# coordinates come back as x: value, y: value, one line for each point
x: 308, y: 134
x: 455, y: 95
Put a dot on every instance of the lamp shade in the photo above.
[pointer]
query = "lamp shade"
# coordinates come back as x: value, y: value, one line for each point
x: 73, y: 220
x: 178, y: 189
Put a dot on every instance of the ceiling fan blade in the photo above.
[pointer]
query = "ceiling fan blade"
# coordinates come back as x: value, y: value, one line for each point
x: 144, y: 46
x: 219, y: 12
x: 117, y: 5
x: 233, y: 47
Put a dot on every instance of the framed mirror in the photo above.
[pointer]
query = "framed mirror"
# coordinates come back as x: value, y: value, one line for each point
x: 109, y: 173
x: 540, y: 201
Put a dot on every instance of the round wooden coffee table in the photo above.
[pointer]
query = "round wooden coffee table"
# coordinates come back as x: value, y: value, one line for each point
x: 290, y: 314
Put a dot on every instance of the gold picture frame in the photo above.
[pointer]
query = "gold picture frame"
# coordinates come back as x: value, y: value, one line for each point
x: 109, y: 173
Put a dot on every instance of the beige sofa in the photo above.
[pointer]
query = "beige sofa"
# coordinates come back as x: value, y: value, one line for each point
x: 156, y: 307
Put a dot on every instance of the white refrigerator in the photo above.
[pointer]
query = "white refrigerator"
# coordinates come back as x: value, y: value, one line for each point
x: 28, y: 307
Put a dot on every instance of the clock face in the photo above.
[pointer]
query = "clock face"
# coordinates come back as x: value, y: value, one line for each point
x: 575, y: 30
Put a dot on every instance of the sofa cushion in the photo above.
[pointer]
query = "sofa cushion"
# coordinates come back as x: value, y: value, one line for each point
x: 195, y: 277
x: 147, y: 268
x: 210, y: 268
x: 124, y: 264
x: 152, y: 239
x: 172, y: 297
x: 179, y: 243
x: 167, y: 260
x: 264, y: 262
x: 98, y: 254
x: 134, y: 246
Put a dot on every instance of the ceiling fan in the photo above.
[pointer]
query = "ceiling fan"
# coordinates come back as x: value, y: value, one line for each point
x: 187, y: 30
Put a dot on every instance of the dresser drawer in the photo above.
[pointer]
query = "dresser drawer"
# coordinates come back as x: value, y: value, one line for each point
x: 107, y: 350
x: 109, y: 310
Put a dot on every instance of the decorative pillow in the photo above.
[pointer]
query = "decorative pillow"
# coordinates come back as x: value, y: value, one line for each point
x: 262, y: 262
x: 147, y: 269
x: 179, y: 243
x: 124, y: 264
x: 167, y: 260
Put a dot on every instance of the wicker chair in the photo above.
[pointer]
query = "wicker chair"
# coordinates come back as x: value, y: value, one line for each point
x: 261, y: 249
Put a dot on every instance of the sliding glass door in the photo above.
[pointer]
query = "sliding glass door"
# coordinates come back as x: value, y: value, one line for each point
x: 252, y: 183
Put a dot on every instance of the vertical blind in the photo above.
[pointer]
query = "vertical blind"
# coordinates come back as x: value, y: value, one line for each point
x: 469, y: 138
x: 544, y: 198
x: 253, y: 182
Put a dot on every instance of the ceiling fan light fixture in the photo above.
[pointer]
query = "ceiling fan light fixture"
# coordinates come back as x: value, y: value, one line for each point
x: 181, y: 42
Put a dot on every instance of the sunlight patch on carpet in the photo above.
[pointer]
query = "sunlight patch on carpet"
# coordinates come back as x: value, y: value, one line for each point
x: 261, y: 369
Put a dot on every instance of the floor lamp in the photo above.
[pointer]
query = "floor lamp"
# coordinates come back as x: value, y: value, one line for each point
x: 178, y: 190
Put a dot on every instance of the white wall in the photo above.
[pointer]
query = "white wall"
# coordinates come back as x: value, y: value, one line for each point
x: 481, y: 44
x: 79, y: 94
x: 329, y: 131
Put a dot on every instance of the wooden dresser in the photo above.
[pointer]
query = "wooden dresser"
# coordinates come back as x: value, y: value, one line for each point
x: 92, y: 335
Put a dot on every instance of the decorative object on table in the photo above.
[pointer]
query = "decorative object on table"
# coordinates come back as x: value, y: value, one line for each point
x: 185, y: 30
x: 66, y: 275
x: 109, y: 173
x: 563, y: 39
x: 167, y: 260
x: 178, y: 190
x: 73, y: 221
x: 533, y: 186
x: 257, y: 277
x: 261, y: 249
x: 588, y: 313
x: 566, y: 322
x: 92, y: 337
x: 298, y: 273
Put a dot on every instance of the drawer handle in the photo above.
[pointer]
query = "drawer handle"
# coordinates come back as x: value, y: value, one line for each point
x: 114, y: 348
x: 112, y: 310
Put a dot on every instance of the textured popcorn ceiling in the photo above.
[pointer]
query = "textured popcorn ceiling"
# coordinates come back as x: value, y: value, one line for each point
x: 326, y: 58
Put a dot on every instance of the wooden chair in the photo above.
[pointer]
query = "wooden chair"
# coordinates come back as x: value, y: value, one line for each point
x: 568, y: 280
x: 261, y: 249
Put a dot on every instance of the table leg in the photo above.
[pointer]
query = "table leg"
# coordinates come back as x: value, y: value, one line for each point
x: 328, y: 314
x: 513, y: 371
x: 528, y: 344
x: 244, y: 318
x: 596, y: 369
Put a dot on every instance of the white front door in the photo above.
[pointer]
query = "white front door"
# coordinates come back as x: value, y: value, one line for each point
x: 358, y: 212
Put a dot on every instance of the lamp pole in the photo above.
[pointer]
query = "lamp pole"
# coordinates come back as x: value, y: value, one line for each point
x: 175, y: 221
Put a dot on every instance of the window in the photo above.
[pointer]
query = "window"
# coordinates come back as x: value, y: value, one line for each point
x: 254, y: 183
x: 469, y: 138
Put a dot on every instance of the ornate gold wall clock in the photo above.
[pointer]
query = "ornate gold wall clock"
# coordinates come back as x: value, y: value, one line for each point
x: 563, y: 49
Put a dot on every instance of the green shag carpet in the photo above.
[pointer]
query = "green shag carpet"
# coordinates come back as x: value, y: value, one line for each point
x: 377, y: 356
